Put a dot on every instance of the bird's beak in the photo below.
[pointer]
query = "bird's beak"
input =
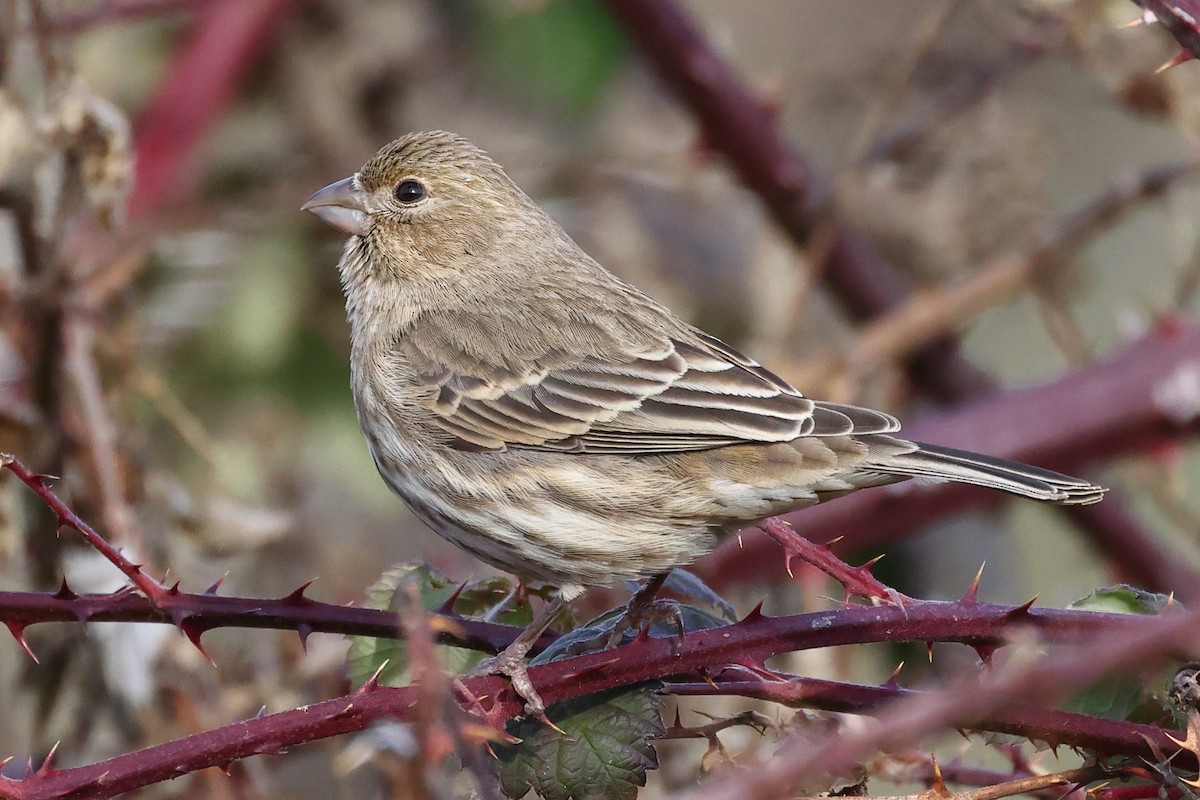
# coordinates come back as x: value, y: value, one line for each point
x: 341, y: 205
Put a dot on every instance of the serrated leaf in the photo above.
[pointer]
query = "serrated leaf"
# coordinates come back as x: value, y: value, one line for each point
x: 368, y: 654
x: 605, y: 754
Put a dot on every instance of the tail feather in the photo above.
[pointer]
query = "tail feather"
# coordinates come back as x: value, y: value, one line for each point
x: 935, y: 461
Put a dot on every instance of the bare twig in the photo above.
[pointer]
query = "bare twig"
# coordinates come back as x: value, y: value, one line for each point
x: 101, y: 433
x: 935, y: 313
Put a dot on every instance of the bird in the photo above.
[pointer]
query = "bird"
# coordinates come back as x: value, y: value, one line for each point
x: 556, y: 422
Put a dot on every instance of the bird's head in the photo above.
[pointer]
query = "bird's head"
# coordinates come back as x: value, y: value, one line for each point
x: 426, y: 179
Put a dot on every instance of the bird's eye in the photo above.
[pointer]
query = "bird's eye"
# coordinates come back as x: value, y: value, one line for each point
x: 409, y: 192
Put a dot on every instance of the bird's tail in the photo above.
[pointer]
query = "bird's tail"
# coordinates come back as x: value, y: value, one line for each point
x: 935, y: 461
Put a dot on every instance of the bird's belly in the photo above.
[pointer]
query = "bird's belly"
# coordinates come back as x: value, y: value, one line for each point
x: 554, y: 520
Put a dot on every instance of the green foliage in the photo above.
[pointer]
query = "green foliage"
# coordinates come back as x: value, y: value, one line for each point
x: 368, y: 654
x: 1120, y: 698
x: 607, y: 747
x: 605, y: 753
x: 560, y: 54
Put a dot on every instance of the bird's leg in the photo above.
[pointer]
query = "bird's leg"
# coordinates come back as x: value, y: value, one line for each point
x: 513, y: 661
x: 644, y: 609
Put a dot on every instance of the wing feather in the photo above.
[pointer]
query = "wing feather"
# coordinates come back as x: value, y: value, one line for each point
x: 626, y: 394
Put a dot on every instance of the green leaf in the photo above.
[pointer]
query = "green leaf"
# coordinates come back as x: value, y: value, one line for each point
x: 1123, y: 599
x: 605, y: 753
x: 1118, y: 698
x: 368, y: 654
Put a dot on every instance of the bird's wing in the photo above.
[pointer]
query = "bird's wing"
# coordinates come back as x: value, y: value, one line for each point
x: 632, y: 394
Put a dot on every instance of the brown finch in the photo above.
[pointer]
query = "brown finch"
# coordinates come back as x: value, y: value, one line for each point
x: 554, y: 421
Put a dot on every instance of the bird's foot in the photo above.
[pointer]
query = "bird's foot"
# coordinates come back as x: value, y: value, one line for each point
x: 639, y: 616
x: 513, y: 661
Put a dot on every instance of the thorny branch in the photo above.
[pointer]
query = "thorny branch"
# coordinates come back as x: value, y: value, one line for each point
x: 741, y: 648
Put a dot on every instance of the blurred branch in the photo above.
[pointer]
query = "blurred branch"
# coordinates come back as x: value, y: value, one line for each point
x: 111, y: 13
x: 1122, y: 406
x: 736, y: 123
x: 226, y: 38
x: 101, y: 439
x: 795, y: 691
x: 739, y: 125
x: 894, y: 141
x: 934, y: 313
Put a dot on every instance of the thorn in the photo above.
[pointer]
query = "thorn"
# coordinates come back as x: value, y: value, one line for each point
x: 17, y: 629
x: 1147, y: 18
x: 372, y: 683
x: 481, y: 733
x: 43, y: 477
x: 297, y: 598
x: 741, y: 545
x: 1022, y: 610
x: 971, y: 596
x: 448, y: 606
x: 939, y: 784
x: 893, y: 681
x: 788, y: 565
x: 541, y: 717
x: 929, y: 651
x: 829, y: 545
x: 64, y: 592
x: 985, y: 653
x: 643, y: 634
x: 47, y: 765
x: 193, y: 631
x: 303, y: 630
x: 216, y: 584
x: 678, y: 720
x: 262, y: 712
x: 1182, y: 57
x: 870, y: 564
x: 174, y: 590
x: 755, y: 614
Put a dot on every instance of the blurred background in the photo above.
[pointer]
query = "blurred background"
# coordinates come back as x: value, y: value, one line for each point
x: 174, y: 346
